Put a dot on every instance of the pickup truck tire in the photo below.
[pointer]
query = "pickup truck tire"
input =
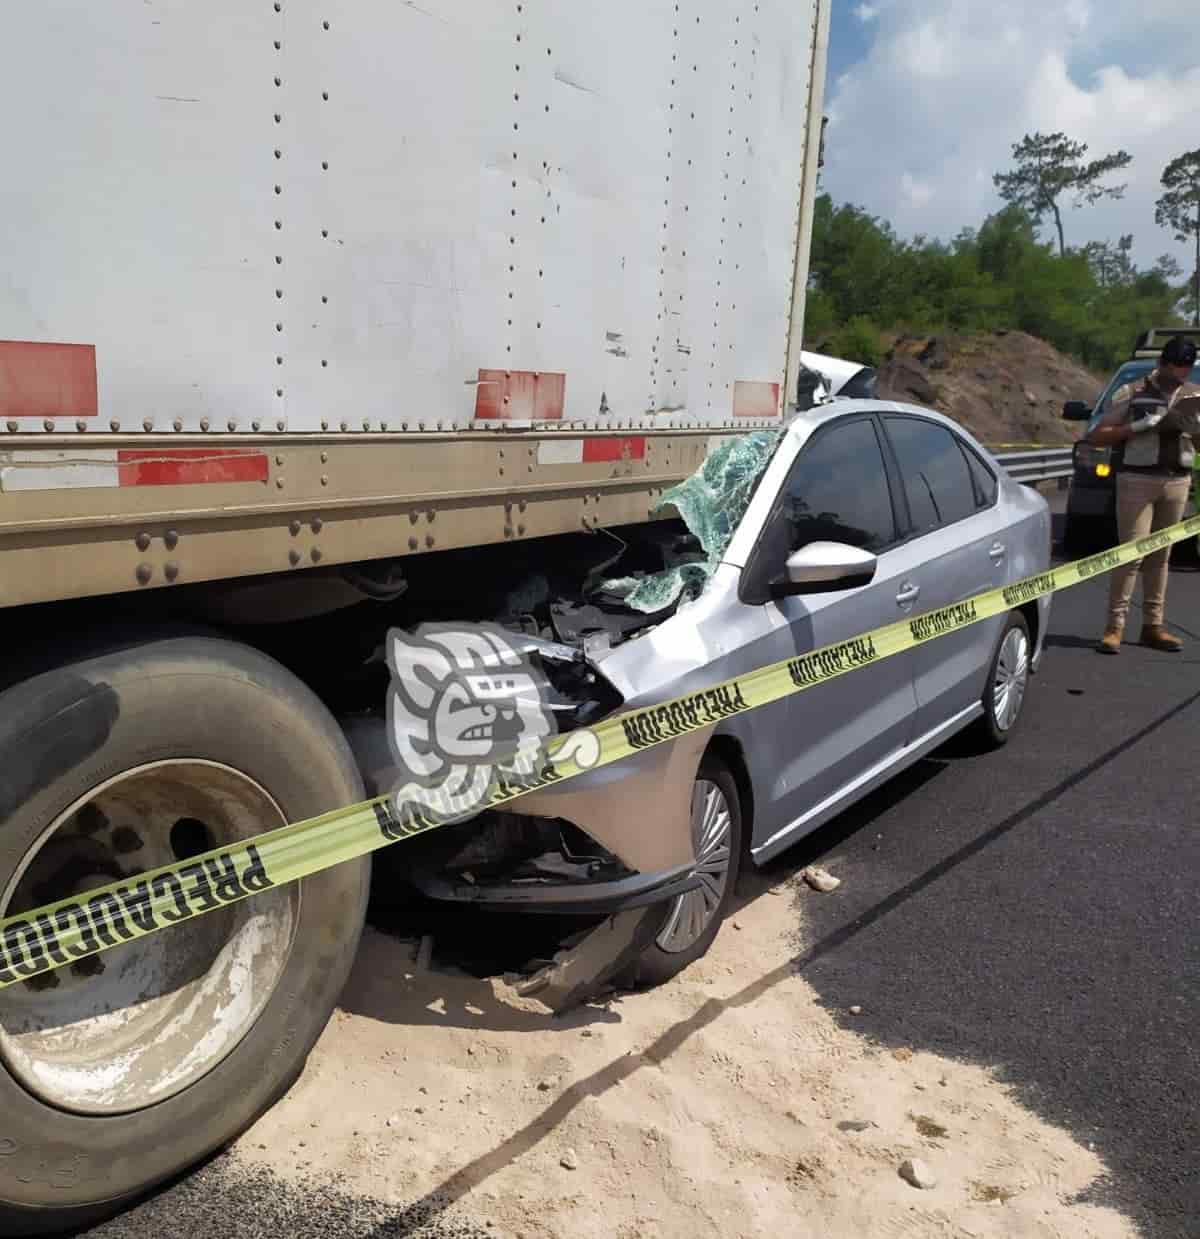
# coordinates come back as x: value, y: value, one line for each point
x: 123, y: 759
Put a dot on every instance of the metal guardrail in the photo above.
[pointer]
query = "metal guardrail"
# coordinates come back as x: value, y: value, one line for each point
x: 1043, y: 464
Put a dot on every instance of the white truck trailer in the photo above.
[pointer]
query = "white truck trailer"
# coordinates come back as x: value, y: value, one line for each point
x: 318, y: 318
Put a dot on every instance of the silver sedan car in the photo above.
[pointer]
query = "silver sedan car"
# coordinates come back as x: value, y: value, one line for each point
x: 861, y: 512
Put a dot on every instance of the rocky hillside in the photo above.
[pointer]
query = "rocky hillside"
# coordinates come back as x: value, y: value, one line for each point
x: 1005, y: 387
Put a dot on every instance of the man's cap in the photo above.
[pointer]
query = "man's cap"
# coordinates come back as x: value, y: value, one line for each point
x: 1179, y: 351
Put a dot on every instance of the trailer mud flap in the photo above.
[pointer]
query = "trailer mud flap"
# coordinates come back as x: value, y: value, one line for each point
x: 580, y: 972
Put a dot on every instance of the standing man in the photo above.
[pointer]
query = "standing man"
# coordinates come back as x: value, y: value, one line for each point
x: 1153, y: 466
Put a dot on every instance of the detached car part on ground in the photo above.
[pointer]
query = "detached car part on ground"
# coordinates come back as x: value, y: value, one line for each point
x: 857, y: 514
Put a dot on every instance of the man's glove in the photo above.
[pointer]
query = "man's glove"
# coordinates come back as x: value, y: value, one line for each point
x: 1146, y: 415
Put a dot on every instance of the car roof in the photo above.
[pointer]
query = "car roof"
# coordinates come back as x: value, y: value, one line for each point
x: 803, y: 422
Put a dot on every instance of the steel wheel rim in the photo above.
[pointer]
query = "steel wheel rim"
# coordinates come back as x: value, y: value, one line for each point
x: 1012, y: 677
x: 691, y: 913
x: 143, y: 1021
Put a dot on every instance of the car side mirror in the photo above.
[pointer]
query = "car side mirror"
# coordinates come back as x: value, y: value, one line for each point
x: 1076, y: 411
x: 822, y: 567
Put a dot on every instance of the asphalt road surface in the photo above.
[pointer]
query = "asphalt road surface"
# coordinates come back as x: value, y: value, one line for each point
x: 1033, y: 911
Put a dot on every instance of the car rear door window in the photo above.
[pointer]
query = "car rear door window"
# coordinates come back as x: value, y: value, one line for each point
x: 838, y: 490
x: 937, y: 480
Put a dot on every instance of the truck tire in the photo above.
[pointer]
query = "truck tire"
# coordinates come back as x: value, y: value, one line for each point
x: 121, y: 1070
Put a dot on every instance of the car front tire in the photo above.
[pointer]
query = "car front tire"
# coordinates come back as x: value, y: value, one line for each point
x: 690, y: 922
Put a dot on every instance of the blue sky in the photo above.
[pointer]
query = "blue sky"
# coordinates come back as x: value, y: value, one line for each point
x: 927, y: 97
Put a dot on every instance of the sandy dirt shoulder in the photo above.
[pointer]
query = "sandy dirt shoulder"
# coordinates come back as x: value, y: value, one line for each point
x: 729, y: 1102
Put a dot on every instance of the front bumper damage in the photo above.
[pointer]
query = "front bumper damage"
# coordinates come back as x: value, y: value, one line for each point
x: 615, y: 843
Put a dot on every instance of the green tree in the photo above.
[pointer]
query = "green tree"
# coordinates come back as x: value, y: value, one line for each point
x: 1112, y: 264
x: 1179, y: 208
x: 1051, y: 165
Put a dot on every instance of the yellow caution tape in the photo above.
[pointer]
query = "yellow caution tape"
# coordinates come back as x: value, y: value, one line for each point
x: 45, y: 938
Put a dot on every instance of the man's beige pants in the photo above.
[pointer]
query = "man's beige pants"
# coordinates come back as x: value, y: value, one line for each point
x: 1145, y: 504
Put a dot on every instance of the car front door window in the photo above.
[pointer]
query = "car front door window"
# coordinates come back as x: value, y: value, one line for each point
x: 837, y: 491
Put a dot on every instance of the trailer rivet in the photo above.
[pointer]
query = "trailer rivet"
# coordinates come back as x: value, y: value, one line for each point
x: 144, y: 573
x: 345, y: 425
x: 317, y: 524
x: 279, y: 460
x: 508, y: 531
x: 113, y: 425
x: 315, y: 555
x: 256, y: 425
x: 232, y: 423
x: 293, y: 557
x: 324, y: 480
x: 429, y: 539
x: 293, y: 527
x: 81, y: 425
x: 412, y: 544
x: 204, y: 423
x: 279, y: 483
x: 12, y: 427
x: 171, y: 571
x: 280, y: 425
x: 143, y: 542
x: 522, y: 505
x: 324, y: 426
x: 48, y: 424
x: 147, y: 424
x: 520, y: 529
x: 171, y: 539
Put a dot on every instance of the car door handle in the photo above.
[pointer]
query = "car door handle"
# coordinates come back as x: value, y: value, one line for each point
x: 997, y: 550
x: 908, y: 594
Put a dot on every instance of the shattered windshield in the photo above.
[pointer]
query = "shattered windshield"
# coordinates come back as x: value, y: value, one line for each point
x: 711, y: 502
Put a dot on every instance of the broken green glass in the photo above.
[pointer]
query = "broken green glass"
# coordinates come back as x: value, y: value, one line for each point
x: 711, y: 502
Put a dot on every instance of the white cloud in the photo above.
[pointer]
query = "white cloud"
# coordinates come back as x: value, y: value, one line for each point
x: 918, y: 128
x: 866, y: 13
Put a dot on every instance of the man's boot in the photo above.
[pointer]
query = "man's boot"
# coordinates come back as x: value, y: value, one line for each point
x: 1110, y: 643
x: 1158, y: 638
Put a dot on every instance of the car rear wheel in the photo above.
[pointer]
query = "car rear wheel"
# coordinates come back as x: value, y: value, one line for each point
x: 1007, y: 682
x: 124, y: 1068
x: 691, y: 921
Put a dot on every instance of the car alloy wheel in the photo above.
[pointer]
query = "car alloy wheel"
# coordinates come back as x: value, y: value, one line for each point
x: 692, y: 912
x: 1011, y: 678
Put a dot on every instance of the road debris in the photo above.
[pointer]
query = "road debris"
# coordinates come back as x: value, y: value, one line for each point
x: 569, y: 1160
x: 856, y: 1010
x: 425, y: 953
x: 928, y: 1127
x: 916, y: 1172
x: 821, y: 879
